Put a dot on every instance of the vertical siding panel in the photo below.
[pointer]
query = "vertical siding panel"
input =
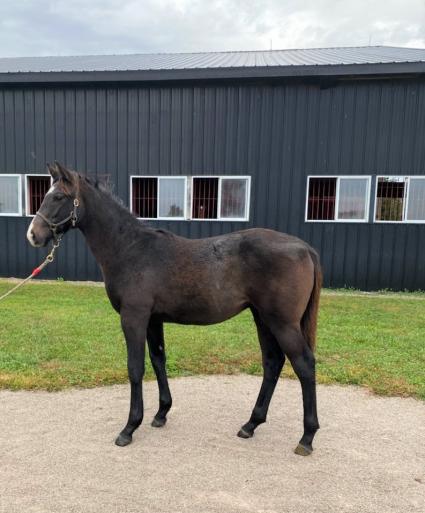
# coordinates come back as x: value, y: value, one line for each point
x: 398, y: 253
x: 198, y: 132
x: 101, y: 135
x: 208, y: 130
x: 176, y: 142
x: 410, y: 120
x: 297, y: 184
x: 231, y: 128
x: 70, y: 129
x: 347, y: 128
x: 122, y: 142
x: 143, y: 132
x: 383, y: 141
x: 419, y: 134
x: 419, y: 270
x: 90, y: 129
x: 220, y: 134
x: 251, y: 137
x: 29, y: 148
x: 59, y: 125
x: 39, y: 124
x: 5, y: 249
x: 305, y: 230
x: 111, y: 134
x: 286, y: 168
x: 154, y: 130
x: 3, y: 143
x: 165, y: 131
x: 396, y: 135
x: 244, y: 152
x: 132, y: 133
x: 49, y: 128
x: 361, y: 257
x: 19, y: 136
x: 9, y: 123
x: 187, y: 130
x: 276, y: 150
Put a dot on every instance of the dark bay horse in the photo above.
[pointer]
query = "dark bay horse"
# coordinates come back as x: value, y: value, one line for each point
x: 152, y: 276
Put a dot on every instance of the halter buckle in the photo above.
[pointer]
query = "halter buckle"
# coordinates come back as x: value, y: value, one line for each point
x: 74, y: 213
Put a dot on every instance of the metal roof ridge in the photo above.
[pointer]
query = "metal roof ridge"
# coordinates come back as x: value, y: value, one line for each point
x: 277, y: 50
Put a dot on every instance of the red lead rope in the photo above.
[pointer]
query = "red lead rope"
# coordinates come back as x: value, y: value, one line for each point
x: 49, y: 259
x: 36, y: 271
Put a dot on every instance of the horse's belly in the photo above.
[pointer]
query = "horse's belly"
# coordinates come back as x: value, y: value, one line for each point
x: 196, y: 312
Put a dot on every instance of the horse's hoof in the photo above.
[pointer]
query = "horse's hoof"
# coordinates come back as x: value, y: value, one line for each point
x: 123, y: 440
x: 245, y: 434
x: 303, y: 450
x: 158, y: 422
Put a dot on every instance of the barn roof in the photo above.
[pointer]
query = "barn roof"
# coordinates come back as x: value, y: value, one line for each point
x: 364, y: 60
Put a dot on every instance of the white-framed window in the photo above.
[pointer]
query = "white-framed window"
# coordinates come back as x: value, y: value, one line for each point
x: 36, y: 187
x: 10, y: 195
x: 400, y: 199
x: 220, y: 198
x: 338, y: 199
x: 158, y: 197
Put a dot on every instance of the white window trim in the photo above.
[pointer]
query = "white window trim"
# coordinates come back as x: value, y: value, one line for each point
x: 219, y: 218
x: 19, y: 213
x: 336, y: 220
x: 405, y: 200
x: 159, y: 218
x: 27, y: 202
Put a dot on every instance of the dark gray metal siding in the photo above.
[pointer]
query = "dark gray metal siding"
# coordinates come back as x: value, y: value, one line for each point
x: 277, y: 133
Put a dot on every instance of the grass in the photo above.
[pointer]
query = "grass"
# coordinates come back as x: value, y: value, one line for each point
x: 58, y: 335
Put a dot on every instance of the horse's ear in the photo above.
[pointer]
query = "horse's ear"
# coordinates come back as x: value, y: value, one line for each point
x: 65, y: 174
x: 54, y: 172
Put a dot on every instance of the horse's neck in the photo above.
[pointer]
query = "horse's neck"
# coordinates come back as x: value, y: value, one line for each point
x: 107, y: 228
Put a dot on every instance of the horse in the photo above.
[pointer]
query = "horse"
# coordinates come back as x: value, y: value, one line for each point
x: 154, y: 277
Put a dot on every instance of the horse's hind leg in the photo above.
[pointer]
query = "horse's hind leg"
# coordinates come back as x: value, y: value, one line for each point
x: 273, y: 360
x: 295, y: 347
x: 155, y: 338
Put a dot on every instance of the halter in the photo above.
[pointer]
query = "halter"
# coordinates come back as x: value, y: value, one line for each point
x: 54, y: 226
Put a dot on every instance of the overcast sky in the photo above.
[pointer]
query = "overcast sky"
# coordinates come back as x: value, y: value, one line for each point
x: 75, y: 27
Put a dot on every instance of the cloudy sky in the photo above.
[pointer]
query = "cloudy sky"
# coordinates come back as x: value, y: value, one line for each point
x: 74, y: 27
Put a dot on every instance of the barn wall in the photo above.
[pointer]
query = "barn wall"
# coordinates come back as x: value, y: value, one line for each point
x: 277, y: 133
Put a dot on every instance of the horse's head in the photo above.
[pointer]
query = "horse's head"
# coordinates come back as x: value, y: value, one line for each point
x: 60, y: 208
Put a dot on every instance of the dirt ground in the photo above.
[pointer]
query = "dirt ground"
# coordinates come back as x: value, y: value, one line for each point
x: 57, y: 452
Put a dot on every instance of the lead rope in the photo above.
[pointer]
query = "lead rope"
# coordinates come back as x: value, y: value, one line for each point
x: 48, y: 260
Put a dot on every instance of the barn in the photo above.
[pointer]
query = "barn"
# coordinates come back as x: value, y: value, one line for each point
x: 325, y: 144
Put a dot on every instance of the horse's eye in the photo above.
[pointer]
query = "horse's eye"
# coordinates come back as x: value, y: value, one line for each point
x: 59, y: 196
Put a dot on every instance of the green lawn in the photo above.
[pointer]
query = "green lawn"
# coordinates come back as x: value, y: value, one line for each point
x: 58, y: 335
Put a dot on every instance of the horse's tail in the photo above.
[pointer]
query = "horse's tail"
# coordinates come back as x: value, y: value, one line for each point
x: 309, y: 318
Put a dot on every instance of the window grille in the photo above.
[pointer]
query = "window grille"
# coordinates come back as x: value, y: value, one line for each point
x: 37, y: 188
x: 338, y: 198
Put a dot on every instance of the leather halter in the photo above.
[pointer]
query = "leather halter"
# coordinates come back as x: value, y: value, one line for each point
x: 54, y: 226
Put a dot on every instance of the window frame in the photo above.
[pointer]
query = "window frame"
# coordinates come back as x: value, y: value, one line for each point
x: 405, y: 200
x: 160, y: 218
x: 336, y: 219
x: 220, y: 179
x: 27, y: 202
x: 19, y: 213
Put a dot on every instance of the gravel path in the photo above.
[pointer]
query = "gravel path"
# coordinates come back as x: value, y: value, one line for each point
x: 57, y: 452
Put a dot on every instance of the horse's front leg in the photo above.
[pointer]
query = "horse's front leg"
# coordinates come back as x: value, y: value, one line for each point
x: 155, y: 338
x: 134, y: 327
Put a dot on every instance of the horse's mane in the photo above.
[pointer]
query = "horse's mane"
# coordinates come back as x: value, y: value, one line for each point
x: 105, y: 186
